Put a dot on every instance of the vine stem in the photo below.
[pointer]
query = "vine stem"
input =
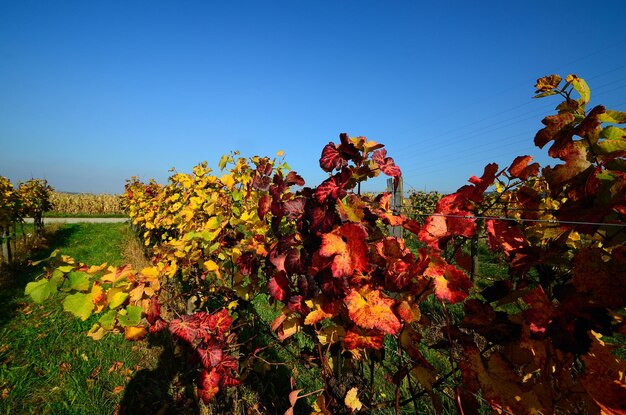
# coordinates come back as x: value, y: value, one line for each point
x: 372, y: 379
x: 438, y: 383
x: 408, y: 375
x: 311, y: 393
x: 452, y: 361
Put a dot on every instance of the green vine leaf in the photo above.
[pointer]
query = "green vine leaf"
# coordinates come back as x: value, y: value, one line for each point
x: 131, y: 316
x: 40, y: 290
x: 79, y: 304
x: 77, y: 281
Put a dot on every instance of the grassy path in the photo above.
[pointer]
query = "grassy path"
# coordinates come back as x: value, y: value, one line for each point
x: 47, y: 364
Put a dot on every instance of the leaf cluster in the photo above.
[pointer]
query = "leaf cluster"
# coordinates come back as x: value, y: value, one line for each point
x: 533, y: 342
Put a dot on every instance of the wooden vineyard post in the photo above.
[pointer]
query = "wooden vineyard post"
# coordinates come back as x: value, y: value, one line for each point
x: 395, y: 205
x: 6, y: 246
x: 13, y: 238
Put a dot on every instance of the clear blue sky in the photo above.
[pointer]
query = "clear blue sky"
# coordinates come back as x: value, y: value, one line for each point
x: 93, y: 92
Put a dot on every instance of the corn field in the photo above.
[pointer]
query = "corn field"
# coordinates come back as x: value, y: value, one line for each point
x: 85, y: 203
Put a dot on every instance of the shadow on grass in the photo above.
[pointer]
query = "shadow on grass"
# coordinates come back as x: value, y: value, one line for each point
x: 151, y: 391
x: 14, y: 277
x: 168, y: 389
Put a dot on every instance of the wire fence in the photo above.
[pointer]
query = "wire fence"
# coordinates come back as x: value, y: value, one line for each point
x: 550, y: 221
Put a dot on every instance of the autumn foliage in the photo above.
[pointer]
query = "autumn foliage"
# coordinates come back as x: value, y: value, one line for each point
x: 538, y: 341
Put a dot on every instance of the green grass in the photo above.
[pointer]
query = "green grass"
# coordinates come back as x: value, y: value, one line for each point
x: 47, y: 363
x: 83, y: 215
x: 25, y: 228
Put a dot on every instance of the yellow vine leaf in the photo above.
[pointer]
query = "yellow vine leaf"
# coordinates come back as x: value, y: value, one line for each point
x: 150, y: 272
x: 96, y: 268
x: 244, y: 292
x: 317, y: 314
x: 319, y: 406
x: 330, y: 334
x: 228, y: 181
x: 352, y: 400
x: 134, y: 333
x: 96, y: 332
x: 98, y: 298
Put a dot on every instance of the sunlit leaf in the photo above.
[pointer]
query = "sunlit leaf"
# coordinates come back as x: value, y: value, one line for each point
x: 372, y: 311
x: 347, y: 248
x: 96, y: 332
x: 330, y: 334
x: 228, y: 181
x: 79, y: 304
x: 131, y: 317
x: 331, y: 158
x: 184, y: 329
x: 320, y: 310
x: 521, y: 169
x: 116, y: 298
x: 40, y: 290
x: 547, y: 83
x: 386, y: 164
x: 361, y: 339
x: 451, y: 284
x: 352, y: 400
x: 66, y: 268
x: 78, y: 281
x: 581, y: 87
x: 615, y: 117
x: 134, y: 333
x: 108, y: 319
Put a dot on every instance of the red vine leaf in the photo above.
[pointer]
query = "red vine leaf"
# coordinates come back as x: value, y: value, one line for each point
x: 331, y: 187
x: 278, y: 287
x: 372, y: 311
x: 540, y: 312
x: 553, y: 126
x: 521, y: 170
x: 486, y: 180
x: 185, y: 329
x: 451, y: 284
x: 294, y: 178
x: 210, y: 356
x: 158, y: 326
x: 499, y: 384
x: 222, y: 321
x: 408, y: 312
x: 209, y: 384
x: 575, y: 163
x: 364, y: 339
x: 294, y: 208
x: 331, y: 158
x: 347, y: 247
x: 604, y: 379
x: 503, y: 236
x: 604, y: 280
x: 264, y: 205
x: 154, y: 311
x: 386, y: 164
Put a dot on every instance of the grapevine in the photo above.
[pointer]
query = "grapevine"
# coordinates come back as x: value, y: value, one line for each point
x: 539, y: 340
